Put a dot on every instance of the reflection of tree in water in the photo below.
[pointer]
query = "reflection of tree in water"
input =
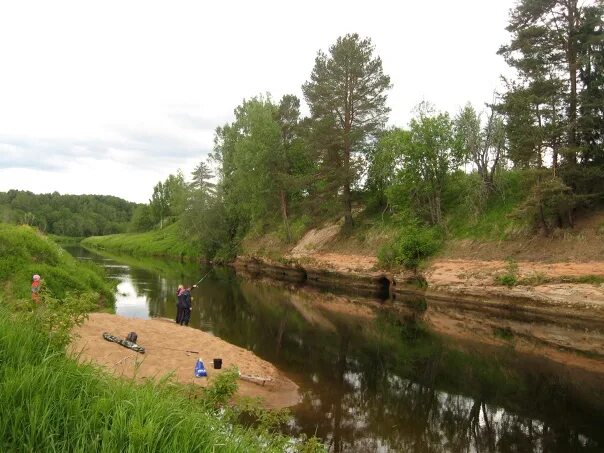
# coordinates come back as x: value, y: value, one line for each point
x: 391, y: 384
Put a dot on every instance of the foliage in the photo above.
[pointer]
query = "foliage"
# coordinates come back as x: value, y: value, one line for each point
x: 556, y: 103
x: 510, y: 277
x: 505, y: 333
x: 58, y: 317
x: 549, y: 204
x: 424, y: 158
x: 347, y: 97
x: 482, y: 145
x: 411, y: 247
x: 223, y: 388
x: 168, y: 199
x: 67, y: 215
x: 142, y: 219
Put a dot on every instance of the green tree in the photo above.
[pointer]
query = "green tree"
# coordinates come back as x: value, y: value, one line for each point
x: 202, y: 179
x: 550, y: 41
x: 159, y: 203
x: 481, y: 144
x: 425, y: 158
x: 292, y: 165
x: 169, y: 198
x: 347, y: 95
x: 142, y: 219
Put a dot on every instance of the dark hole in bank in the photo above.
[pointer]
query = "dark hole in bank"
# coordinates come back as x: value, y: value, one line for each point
x: 383, y: 288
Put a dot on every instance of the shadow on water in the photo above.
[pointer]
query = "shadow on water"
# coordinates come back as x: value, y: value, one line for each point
x: 372, y: 376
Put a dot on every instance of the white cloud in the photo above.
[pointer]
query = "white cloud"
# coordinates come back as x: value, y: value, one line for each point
x: 92, y: 91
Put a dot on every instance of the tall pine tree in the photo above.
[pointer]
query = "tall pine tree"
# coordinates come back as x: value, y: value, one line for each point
x: 347, y: 96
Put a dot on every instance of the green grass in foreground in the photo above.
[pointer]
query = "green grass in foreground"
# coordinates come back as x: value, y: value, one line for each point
x: 49, y: 402
x: 164, y: 242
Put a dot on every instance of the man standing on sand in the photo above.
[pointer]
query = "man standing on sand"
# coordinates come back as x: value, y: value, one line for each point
x: 187, y: 304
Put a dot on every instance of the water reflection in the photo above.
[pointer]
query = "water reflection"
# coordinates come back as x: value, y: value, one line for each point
x: 372, y: 378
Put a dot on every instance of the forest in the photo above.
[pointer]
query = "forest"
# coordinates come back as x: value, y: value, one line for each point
x: 67, y: 215
x: 529, y: 161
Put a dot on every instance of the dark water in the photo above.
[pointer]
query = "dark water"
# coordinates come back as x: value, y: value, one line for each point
x: 371, y: 376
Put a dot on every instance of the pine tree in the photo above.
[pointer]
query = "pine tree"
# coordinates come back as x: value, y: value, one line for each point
x: 347, y: 95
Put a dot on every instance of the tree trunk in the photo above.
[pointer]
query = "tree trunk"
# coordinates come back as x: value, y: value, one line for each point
x: 572, y: 69
x: 283, y: 200
x: 437, y: 209
x: 348, y: 224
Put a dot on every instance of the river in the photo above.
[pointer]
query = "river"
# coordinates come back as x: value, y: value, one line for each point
x: 372, y: 375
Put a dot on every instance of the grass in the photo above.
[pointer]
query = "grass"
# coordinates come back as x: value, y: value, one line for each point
x: 166, y: 242
x: 24, y: 252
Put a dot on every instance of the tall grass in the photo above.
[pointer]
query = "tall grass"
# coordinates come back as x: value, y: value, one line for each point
x: 50, y: 403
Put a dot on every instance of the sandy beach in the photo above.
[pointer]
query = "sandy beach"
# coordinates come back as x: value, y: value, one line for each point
x: 170, y: 348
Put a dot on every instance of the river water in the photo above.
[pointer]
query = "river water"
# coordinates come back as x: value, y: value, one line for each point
x: 372, y: 376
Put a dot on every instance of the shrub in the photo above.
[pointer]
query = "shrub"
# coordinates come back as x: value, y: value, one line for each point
x: 510, y: 277
x: 411, y: 247
x: 549, y: 204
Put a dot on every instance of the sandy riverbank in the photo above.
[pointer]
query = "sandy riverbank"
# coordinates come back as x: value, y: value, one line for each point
x: 166, y: 344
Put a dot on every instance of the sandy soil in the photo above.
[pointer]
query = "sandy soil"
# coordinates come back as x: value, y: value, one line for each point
x: 477, y: 276
x: 339, y: 261
x: 459, y: 270
x: 166, y: 347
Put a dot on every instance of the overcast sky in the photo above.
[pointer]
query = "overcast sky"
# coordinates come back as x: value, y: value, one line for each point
x: 110, y: 97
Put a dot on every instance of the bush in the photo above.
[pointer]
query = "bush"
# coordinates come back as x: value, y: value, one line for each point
x: 411, y: 247
x: 510, y: 277
x: 549, y: 204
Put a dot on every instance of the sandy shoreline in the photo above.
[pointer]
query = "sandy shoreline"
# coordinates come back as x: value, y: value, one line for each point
x: 166, y: 347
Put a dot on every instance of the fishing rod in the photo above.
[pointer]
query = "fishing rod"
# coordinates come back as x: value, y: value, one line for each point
x: 175, y: 349
x: 202, y: 278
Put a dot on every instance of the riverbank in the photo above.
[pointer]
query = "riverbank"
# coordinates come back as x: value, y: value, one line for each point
x: 172, y: 350
x: 558, y: 311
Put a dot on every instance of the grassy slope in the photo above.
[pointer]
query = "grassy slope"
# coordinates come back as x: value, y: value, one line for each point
x: 164, y: 242
x: 25, y: 252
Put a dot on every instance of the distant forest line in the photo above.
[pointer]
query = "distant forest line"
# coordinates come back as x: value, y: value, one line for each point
x: 67, y: 215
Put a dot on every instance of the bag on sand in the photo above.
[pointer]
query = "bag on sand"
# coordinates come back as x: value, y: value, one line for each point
x: 200, y: 369
x: 132, y: 336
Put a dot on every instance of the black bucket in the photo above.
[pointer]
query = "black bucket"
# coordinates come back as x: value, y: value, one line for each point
x: 217, y: 364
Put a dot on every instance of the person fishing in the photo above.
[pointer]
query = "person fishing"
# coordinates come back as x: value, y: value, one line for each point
x: 35, y: 288
x: 183, y: 305
x: 187, y: 307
